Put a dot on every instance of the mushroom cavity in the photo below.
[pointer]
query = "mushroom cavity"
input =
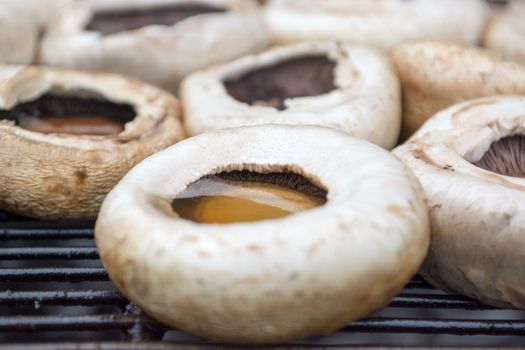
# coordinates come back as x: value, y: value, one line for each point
x: 240, y: 196
x: 299, y: 77
x: 111, y: 22
x: 52, y: 113
x: 505, y: 157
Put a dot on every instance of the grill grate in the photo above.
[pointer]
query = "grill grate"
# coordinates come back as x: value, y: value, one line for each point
x: 53, y: 288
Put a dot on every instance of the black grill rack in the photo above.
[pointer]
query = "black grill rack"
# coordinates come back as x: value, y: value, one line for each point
x: 54, y: 291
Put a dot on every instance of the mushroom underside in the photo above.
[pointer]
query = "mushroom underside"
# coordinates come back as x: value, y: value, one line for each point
x: 505, y: 157
x: 240, y: 196
x: 270, y: 86
x: 54, y: 113
x: 115, y: 21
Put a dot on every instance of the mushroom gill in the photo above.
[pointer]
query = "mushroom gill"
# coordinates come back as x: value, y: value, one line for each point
x: 505, y: 156
x: 244, y: 196
x: 77, y: 115
x: 115, y: 21
x: 270, y: 86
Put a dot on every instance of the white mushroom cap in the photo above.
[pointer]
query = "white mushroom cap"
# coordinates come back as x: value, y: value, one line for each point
x: 435, y: 75
x: 506, y: 32
x: 65, y: 176
x: 41, y: 12
x: 477, y: 216
x: 21, y: 25
x: 19, y: 34
x: 272, y: 280
x: 381, y: 23
x: 158, y: 54
x: 365, y: 102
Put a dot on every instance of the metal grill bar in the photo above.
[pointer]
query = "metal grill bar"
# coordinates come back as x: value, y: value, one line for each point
x: 437, y: 302
x: 370, y: 325
x: 49, y: 253
x: 438, y: 326
x: 45, y: 233
x: 61, y: 323
x: 197, y: 346
x: 53, y: 274
x: 106, y: 297
x: 63, y: 298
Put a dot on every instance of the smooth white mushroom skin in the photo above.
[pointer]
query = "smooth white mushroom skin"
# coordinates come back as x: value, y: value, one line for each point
x: 20, y: 31
x: 363, y: 98
x: 161, y: 54
x: 273, y: 280
x: 21, y: 26
x: 436, y: 74
x: 505, y: 32
x: 380, y: 23
x: 60, y: 175
x: 477, y: 215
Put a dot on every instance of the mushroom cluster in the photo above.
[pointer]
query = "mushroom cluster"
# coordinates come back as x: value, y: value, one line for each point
x: 284, y: 215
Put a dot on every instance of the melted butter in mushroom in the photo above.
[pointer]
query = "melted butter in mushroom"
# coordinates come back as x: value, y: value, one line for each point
x: 113, y: 22
x: 243, y: 196
x: 70, y: 115
x: 505, y: 156
x: 270, y: 86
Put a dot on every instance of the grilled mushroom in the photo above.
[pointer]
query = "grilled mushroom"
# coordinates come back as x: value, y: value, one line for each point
x: 21, y: 26
x: 267, y: 281
x: 158, y: 41
x: 331, y: 84
x: 381, y: 23
x: 19, y: 34
x: 506, y: 32
x: 470, y: 159
x: 435, y: 75
x: 66, y: 138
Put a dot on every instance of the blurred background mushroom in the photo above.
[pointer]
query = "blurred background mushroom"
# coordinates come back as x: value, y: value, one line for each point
x: 436, y: 74
x: 505, y: 31
x: 380, y: 23
x: 158, y: 41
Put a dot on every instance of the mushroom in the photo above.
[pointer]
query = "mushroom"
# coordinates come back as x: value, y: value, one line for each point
x: 66, y: 138
x: 380, y: 23
x: 159, y: 41
x: 332, y: 84
x: 266, y: 281
x: 22, y: 24
x: 505, y: 32
x: 470, y: 159
x: 19, y: 35
x: 41, y: 12
x: 435, y: 75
